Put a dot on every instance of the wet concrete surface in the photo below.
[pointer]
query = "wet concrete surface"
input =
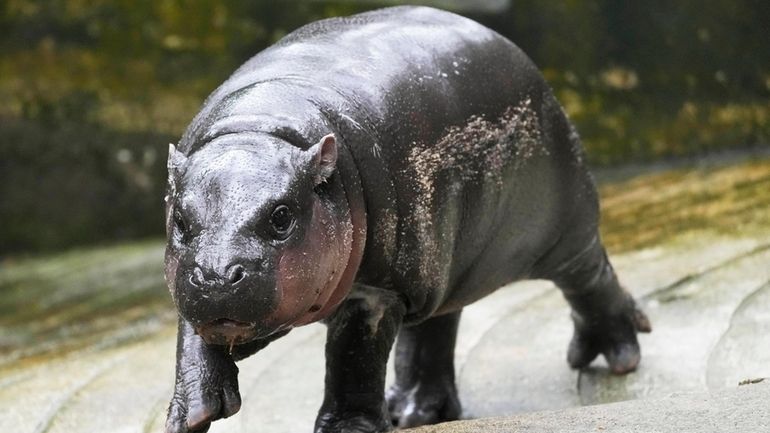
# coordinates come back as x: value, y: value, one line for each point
x: 90, y: 349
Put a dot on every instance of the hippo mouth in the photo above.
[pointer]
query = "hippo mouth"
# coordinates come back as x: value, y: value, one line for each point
x: 227, y: 332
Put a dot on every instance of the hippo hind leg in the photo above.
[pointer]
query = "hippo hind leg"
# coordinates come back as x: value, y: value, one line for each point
x: 605, y: 316
x: 425, y: 391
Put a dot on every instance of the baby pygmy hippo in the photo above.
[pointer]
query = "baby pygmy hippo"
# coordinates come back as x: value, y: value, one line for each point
x: 378, y: 173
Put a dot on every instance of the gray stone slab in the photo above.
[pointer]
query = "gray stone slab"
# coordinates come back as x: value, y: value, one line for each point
x: 114, y: 389
x: 519, y: 364
x: 743, y: 351
x: 708, y: 299
x: 689, y: 320
x: 743, y: 409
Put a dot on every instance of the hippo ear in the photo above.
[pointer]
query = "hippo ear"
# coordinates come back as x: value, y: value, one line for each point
x: 176, y: 160
x: 324, y: 156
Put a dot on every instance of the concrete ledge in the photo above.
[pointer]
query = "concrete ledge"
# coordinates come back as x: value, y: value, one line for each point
x: 743, y: 409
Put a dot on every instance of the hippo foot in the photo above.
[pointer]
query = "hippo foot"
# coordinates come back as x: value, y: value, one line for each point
x: 614, y: 337
x: 424, y: 403
x: 200, y: 399
x: 329, y: 423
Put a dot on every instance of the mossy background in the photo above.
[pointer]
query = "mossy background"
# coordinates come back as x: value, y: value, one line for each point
x: 91, y: 92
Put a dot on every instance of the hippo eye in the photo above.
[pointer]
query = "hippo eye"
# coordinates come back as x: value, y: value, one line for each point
x: 282, y: 220
x: 180, y: 223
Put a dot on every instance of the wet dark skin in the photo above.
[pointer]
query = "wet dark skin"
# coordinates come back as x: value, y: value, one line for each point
x: 378, y: 173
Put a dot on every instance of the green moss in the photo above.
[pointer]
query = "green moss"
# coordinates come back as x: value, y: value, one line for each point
x: 652, y: 209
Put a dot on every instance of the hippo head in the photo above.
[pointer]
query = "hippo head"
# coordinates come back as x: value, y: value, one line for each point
x: 259, y: 235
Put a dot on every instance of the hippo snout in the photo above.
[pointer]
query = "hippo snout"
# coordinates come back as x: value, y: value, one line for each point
x: 234, y: 275
x: 232, y: 304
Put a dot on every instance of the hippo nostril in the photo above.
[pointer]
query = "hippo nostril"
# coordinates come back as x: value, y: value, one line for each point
x: 196, y: 279
x: 235, y: 274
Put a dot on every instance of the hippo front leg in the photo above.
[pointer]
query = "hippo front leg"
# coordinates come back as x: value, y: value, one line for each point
x: 206, y: 387
x: 359, y: 338
x: 425, y: 391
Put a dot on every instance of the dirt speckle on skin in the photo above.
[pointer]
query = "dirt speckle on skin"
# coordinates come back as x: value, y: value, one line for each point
x: 481, y: 147
x: 577, y: 148
x: 385, y: 233
x: 480, y: 150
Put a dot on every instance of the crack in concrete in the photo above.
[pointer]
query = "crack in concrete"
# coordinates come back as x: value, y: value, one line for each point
x: 60, y: 404
x: 667, y: 293
x: 746, y: 303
